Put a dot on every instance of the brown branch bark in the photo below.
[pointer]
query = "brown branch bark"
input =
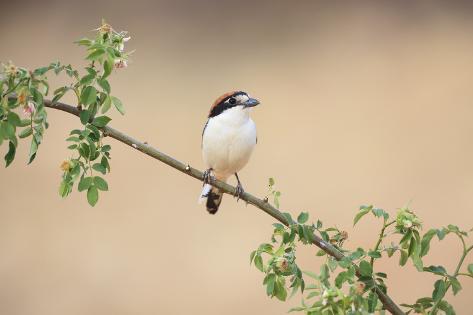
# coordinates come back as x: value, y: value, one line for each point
x: 145, y: 148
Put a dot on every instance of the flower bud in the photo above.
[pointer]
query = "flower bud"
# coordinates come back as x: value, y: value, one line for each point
x: 282, y: 264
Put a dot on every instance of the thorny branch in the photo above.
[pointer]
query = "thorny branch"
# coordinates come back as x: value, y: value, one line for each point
x: 261, y: 204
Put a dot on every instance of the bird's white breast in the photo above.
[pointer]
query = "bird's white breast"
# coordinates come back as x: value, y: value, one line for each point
x: 228, y: 140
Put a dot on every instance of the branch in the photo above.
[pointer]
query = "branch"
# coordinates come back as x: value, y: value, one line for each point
x: 388, y: 303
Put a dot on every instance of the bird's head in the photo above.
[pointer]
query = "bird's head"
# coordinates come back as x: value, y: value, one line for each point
x: 230, y: 100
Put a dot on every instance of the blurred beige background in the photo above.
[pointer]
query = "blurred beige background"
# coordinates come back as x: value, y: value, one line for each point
x: 361, y: 103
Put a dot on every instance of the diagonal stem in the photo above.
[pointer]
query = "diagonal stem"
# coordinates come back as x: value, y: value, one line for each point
x: 145, y: 148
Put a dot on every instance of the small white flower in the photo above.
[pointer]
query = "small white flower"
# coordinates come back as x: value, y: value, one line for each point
x: 120, y: 63
x: 126, y: 39
x: 29, y: 109
x: 121, y: 47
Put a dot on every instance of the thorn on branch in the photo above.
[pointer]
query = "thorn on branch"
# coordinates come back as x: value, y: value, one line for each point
x: 134, y: 145
x: 188, y: 168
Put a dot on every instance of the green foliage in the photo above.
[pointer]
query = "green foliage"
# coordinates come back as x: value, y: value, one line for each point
x: 347, y: 286
x: 24, y: 90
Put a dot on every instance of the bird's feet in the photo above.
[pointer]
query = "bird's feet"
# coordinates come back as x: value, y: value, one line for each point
x: 239, y: 191
x: 207, y: 177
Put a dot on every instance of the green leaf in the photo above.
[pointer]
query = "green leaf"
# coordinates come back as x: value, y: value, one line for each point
x: 88, y: 95
x: 252, y: 256
x: 104, y: 85
x: 8, y: 130
x: 10, y: 156
x: 441, y: 233
x: 92, y: 153
x: 403, y: 258
x: 33, y: 149
x: 374, y: 254
x: 470, y: 269
x: 380, y: 213
x: 63, y: 189
x: 439, y: 290
x: 58, y: 93
x: 412, y: 246
x: 85, y: 183
x: 259, y: 263
x: 447, y: 308
x: 106, y: 104
x: 37, y: 96
x: 84, y: 117
x: 91, y: 71
x: 92, y: 195
x: 406, y: 238
x: 118, y: 105
x: 40, y: 71
x: 277, y: 226
x: 87, y: 79
x: 365, y: 268
x: 99, y: 168
x: 270, y: 280
x: 100, y: 183
x: 25, y: 132
x: 340, y: 279
x: 96, y: 54
x: 84, y: 42
x: 105, y: 163
x: 324, y: 273
x: 280, y: 290
x: 417, y: 262
x: 372, y: 302
x: 25, y: 123
x: 303, y: 217
x: 438, y: 270
x: 95, y: 132
x: 456, y: 286
x: 425, y: 243
x: 14, y: 119
x: 107, y: 68
x: 101, y: 121
x: 363, y: 211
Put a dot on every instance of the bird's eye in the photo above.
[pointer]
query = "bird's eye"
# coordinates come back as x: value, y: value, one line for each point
x: 232, y: 100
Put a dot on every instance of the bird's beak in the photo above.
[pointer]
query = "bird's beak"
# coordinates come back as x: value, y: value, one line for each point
x: 251, y: 102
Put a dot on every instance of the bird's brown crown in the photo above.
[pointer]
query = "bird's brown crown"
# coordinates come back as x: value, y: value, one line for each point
x: 219, y: 105
x: 222, y: 98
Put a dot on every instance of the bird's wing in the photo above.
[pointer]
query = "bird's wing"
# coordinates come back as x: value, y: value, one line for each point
x: 204, y: 131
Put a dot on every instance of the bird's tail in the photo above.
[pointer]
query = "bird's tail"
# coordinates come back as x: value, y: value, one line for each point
x: 213, y: 197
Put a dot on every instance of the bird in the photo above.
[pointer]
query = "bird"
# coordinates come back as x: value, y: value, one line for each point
x: 228, y: 139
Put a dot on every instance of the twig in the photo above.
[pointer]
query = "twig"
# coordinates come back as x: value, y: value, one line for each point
x: 388, y: 303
